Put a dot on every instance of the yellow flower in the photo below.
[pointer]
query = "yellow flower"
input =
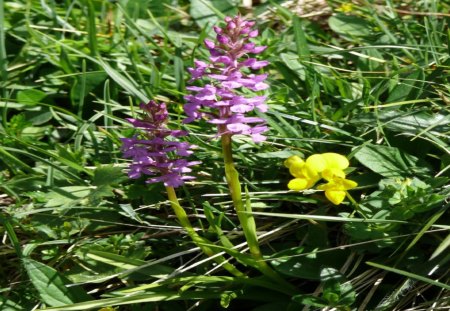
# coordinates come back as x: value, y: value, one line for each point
x: 329, y: 160
x: 305, y: 175
x: 329, y: 166
x: 336, y: 188
x: 346, y: 7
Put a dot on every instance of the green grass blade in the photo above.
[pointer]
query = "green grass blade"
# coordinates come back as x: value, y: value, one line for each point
x: 409, y: 275
x: 441, y: 248
x: 3, y: 56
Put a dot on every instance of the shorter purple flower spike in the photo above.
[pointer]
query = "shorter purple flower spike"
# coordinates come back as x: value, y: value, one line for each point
x: 229, y: 75
x: 154, y: 152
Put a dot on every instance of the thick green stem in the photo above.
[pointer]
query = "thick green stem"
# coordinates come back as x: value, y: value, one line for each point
x: 245, y: 216
x: 197, y: 239
x: 246, y: 220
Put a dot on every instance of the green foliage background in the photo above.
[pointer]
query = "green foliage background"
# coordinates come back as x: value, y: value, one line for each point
x: 368, y: 80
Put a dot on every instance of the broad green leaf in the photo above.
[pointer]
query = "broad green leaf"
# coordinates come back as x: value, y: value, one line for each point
x: 40, y: 116
x: 408, y: 88
x: 310, y: 300
x: 108, y: 175
x: 292, y: 62
x: 335, y: 288
x: 308, y: 265
x: 349, y: 25
x: 410, y: 122
x: 53, y: 287
x: 30, y: 97
x: 209, y: 12
x: 64, y: 196
x: 387, y: 161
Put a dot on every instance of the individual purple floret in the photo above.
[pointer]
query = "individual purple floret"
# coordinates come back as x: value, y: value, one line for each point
x: 230, y: 79
x: 153, y: 153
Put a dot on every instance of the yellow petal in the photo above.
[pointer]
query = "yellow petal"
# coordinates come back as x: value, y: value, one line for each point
x: 310, y: 172
x: 296, y: 171
x: 335, y: 160
x: 333, y: 173
x: 312, y: 182
x: 336, y: 197
x: 293, y: 160
x: 328, y: 186
x: 349, y: 184
x: 316, y: 162
x: 298, y: 184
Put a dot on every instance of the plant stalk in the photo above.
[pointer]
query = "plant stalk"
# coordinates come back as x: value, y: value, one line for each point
x: 196, y: 238
x: 245, y: 216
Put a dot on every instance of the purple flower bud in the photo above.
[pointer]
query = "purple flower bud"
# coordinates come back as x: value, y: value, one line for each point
x: 251, y: 23
x: 248, y: 46
x: 253, y: 33
x: 221, y: 59
x: 254, y: 64
x: 239, y: 128
x: 258, y: 49
x: 209, y: 44
x: 223, y: 39
x: 231, y: 26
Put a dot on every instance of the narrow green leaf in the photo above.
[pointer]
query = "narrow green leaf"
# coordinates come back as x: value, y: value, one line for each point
x: 409, y: 275
x: 326, y: 218
x: 125, y: 83
x: 424, y: 229
x: 442, y: 247
x: 91, y: 28
x: 9, y: 305
x: 82, y: 85
x: 140, y: 298
x: 14, y: 162
x: 3, y: 56
x: 6, y: 223
x: 300, y: 38
x: 125, y: 263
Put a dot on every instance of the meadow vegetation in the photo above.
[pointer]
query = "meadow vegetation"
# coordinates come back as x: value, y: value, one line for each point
x: 365, y: 79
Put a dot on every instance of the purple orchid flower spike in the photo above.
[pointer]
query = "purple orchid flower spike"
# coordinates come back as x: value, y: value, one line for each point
x: 153, y: 153
x: 229, y: 77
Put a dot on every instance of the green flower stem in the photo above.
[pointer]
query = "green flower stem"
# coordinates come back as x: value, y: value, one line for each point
x: 356, y: 205
x: 245, y: 216
x: 197, y: 239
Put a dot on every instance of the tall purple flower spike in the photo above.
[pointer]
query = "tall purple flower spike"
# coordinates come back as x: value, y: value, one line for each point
x: 151, y: 151
x: 229, y: 78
